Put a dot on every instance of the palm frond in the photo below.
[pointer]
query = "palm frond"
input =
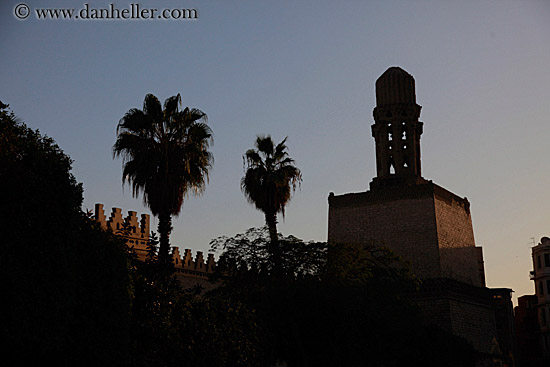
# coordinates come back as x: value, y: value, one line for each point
x: 152, y: 107
x: 265, y: 145
x: 172, y: 104
x: 134, y: 120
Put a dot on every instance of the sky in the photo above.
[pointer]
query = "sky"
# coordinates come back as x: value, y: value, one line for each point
x: 306, y: 70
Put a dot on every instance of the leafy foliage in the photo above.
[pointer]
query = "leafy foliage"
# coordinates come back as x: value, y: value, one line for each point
x: 176, y: 327
x: 250, y: 251
x: 65, y: 282
x: 357, y: 264
x: 348, y: 307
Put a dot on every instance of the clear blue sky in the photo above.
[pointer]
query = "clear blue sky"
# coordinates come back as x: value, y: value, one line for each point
x: 306, y: 70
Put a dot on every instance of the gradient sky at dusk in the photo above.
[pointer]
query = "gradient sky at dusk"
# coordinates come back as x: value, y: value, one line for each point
x: 306, y: 70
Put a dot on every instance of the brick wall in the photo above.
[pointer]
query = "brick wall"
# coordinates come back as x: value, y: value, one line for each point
x: 432, y: 228
x: 459, y: 257
x: 475, y: 322
x: 425, y: 224
x: 402, y: 221
x: 459, y: 308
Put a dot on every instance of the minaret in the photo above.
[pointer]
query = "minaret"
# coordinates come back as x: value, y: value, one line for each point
x: 396, y: 130
x: 428, y: 226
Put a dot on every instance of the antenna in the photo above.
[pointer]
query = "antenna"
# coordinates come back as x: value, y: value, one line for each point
x: 532, y: 242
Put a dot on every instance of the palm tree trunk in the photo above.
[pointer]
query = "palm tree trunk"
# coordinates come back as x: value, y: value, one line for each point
x: 164, y: 228
x: 274, y: 248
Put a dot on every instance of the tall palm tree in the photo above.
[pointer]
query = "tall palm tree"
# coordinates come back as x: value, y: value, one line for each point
x: 268, y: 184
x: 165, y: 157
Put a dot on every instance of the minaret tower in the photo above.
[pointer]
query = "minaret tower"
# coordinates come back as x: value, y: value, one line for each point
x: 396, y: 130
x: 428, y: 226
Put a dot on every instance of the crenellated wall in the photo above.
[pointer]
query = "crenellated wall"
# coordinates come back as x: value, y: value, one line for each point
x: 135, y: 233
x: 190, y: 271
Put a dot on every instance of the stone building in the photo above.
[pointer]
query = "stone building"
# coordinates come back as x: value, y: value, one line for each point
x: 526, y: 327
x: 533, y: 311
x: 541, y: 277
x: 189, y: 271
x: 425, y: 224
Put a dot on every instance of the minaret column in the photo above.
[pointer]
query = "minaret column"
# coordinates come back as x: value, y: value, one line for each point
x: 396, y: 129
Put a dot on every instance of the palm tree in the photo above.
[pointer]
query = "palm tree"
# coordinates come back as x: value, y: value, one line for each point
x: 268, y: 183
x: 165, y: 157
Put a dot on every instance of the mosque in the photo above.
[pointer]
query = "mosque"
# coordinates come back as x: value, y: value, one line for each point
x: 427, y: 225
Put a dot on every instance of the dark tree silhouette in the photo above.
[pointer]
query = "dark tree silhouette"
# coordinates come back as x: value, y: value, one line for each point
x: 268, y: 183
x: 165, y: 156
x: 66, y: 289
x: 302, y: 259
x: 347, y: 306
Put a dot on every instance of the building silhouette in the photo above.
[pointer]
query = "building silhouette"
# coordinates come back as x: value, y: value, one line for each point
x: 541, y: 277
x: 526, y: 327
x: 426, y: 225
x: 532, y: 314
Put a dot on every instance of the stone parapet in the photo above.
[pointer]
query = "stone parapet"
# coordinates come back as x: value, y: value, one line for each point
x: 136, y: 234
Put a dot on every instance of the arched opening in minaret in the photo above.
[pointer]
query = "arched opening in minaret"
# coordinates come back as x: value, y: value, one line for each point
x: 396, y: 129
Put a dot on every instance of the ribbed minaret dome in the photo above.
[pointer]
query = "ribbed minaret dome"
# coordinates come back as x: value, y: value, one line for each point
x: 395, y: 86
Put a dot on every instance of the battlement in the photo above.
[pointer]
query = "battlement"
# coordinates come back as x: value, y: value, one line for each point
x: 136, y: 235
x: 116, y: 223
x: 193, y: 267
